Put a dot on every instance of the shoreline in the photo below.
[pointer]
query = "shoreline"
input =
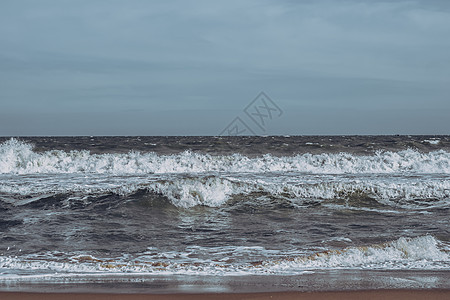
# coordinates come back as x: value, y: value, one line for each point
x: 318, y: 281
x: 349, y: 295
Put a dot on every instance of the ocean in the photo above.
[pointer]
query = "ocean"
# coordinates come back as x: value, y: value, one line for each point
x: 165, y: 214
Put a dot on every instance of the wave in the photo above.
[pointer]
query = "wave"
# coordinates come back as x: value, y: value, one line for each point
x: 215, y: 191
x: 410, y: 253
x: 187, y: 191
x: 18, y: 157
x: 421, y: 253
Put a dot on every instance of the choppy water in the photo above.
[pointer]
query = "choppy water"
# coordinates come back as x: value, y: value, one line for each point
x: 223, y: 206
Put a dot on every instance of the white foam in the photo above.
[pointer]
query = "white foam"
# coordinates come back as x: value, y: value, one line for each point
x: 215, y: 191
x: 419, y: 192
x: 396, y: 194
x: 424, y: 253
x: 189, y: 179
x: 210, y: 191
x: 17, y: 157
x: 432, y: 141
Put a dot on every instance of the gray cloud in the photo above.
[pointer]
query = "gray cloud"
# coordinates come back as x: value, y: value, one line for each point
x: 63, y: 61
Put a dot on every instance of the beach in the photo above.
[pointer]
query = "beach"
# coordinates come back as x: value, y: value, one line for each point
x: 369, y: 295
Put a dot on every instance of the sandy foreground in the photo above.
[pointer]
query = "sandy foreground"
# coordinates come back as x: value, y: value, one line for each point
x: 348, y: 295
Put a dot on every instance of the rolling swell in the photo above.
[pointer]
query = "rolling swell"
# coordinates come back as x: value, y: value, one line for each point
x: 215, y: 191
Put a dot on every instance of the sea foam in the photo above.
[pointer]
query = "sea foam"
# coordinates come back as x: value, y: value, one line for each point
x: 405, y: 253
x: 17, y: 157
x: 420, y: 253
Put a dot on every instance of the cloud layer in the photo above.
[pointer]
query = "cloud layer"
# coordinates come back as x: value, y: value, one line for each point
x: 190, y: 67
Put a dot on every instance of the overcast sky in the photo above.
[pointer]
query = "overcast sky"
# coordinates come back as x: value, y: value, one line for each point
x: 191, y: 67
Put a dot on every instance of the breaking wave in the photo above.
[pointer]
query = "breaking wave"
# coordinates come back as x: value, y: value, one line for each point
x: 216, y: 191
x: 411, y: 253
x: 421, y: 253
x: 17, y: 157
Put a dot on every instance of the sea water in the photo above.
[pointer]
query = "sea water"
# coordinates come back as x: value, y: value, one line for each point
x: 224, y: 207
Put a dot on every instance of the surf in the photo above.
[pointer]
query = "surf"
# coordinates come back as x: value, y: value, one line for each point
x: 18, y: 157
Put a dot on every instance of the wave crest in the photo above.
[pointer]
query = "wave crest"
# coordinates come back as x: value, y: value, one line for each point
x: 410, y: 253
x: 214, y: 190
x: 17, y: 157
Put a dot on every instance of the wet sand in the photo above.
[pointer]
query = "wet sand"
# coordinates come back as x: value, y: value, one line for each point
x: 348, y: 295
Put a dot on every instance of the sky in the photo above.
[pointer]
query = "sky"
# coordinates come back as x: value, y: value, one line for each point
x: 197, y: 67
